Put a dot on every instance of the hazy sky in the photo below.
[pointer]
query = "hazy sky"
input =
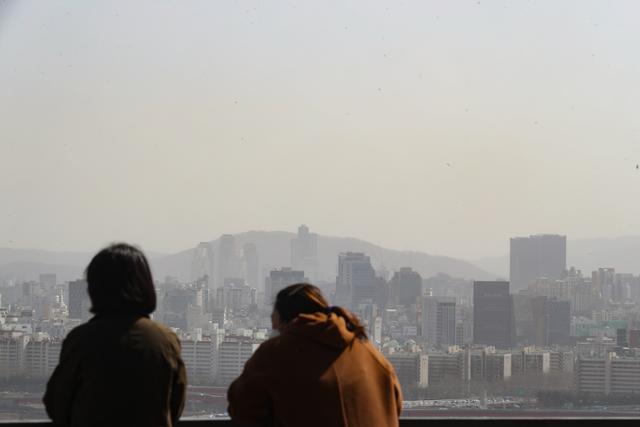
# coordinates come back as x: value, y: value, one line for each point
x: 442, y: 126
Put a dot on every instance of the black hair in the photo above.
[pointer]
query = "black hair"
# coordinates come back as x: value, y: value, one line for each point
x: 119, y: 281
x: 304, y: 298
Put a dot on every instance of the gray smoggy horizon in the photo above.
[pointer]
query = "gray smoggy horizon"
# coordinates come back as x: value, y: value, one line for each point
x: 481, y: 259
x: 273, y: 252
x: 445, y: 128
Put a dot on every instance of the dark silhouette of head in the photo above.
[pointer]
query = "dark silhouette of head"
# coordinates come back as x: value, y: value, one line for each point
x: 119, y: 281
x: 304, y: 298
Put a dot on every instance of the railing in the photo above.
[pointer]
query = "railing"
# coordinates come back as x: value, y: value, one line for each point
x: 489, y: 421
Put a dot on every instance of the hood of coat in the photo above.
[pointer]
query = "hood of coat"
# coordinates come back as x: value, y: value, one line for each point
x: 328, y: 329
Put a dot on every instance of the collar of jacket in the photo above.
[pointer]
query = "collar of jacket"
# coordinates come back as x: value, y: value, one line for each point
x: 101, y: 316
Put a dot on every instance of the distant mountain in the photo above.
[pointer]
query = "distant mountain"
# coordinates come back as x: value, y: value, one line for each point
x: 8, y: 255
x: 27, y: 264
x: 29, y: 271
x: 498, y: 265
x: 274, y: 249
x: 621, y: 253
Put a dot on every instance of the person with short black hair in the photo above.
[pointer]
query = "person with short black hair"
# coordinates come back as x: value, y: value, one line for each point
x: 321, y: 370
x: 120, y: 368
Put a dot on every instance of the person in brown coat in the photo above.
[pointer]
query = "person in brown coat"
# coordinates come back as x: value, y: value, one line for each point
x: 320, y: 370
x: 120, y: 368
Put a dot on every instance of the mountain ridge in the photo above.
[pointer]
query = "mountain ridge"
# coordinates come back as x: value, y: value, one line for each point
x: 274, y: 252
x: 622, y: 253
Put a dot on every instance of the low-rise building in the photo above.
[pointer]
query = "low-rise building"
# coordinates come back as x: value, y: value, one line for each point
x: 608, y: 375
x: 412, y: 369
x: 530, y: 361
x: 233, y: 353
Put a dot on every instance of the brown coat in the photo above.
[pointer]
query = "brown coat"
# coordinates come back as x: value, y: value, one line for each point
x: 118, y: 370
x: 317, y: 373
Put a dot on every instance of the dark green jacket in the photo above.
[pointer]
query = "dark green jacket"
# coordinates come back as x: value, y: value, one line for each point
x: 118, y: 370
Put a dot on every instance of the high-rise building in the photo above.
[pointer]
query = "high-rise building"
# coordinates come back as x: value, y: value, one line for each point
x: 559, y: 322
x: 280, y: 279
x: 406, y: 286
x: 439, y: 320
x: 382, y: 293
x: 581, y: 293
x: 533, y: 257
x: 356, y: 282
x: 228, y: 261
x: 493, y: 318
x: 203, y: 263
x: 540, y: 330
x: 542, y: 321
x: 233, y: 353
x: 251, y: 265
x: 178, y: 304
x: 235, y: 295
x: 603, y: 282
x: 633, y: 338
x: 79, y: 303
x: 304, y: 252
x: 523, y: 318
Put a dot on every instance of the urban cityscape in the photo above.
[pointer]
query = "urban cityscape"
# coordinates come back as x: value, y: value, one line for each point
x: 458, y: 175
x: 550, y: 338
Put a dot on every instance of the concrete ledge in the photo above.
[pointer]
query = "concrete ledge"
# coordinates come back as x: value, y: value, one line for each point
x: 434, y: 422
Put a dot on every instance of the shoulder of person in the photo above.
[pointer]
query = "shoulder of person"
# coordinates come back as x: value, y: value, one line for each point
x: 157, y: 329
x: 267, y: 351
x: 80, y: 333
x: 78, y: 340
x: 270, y: 345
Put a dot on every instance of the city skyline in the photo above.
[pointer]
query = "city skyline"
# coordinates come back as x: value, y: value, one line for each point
x: 444, y: 336
x: 585, y: 255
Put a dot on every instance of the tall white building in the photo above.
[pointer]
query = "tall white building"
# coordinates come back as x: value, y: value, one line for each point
x: 228, y: 260
x: 203, y: 263
x: 79, y: 303
x: 251, y: 264
x: 304, y: 252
